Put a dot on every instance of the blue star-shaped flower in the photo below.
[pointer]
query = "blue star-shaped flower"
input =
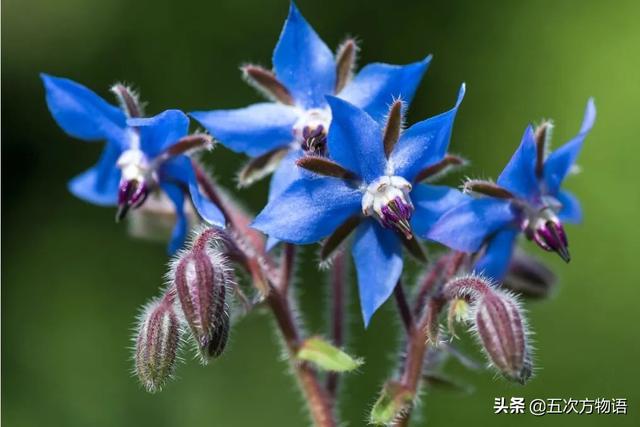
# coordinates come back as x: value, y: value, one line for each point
x: 372, y: 183
x: 526, y: 198
x: 141, y: 154
x: 305, y: 70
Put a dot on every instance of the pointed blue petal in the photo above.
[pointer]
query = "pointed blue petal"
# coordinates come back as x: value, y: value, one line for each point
x: 378, y: 259
x: 519, y: 176
x: 179, y: 171
x: 81, y: 113
x: 355, y: 140
x: 99, y: 185
x: 286, y: 172
x: 424, y: 143
x: 282, y: 178
x: 431, y: 202
x: 179, y: 234
x: 253, y: 130
x: 571, y: 211
x: 159, y: 132
x: 303, y: 62
x: 270, y: 243
x: 377, y: 85
x: 559, y: 163
x: 309, y: 210
x: 495, y: 261
x: 465, y: 227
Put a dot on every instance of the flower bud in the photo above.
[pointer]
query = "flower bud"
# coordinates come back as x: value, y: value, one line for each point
x: 201, y: 278
x: 157, y: 344
x: 529, y: 277
x: 498, y: 323
x: 502, y: 332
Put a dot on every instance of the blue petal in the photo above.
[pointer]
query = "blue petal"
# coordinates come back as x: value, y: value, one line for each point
x: 285, y: 174
x: 559, y: 163
x: 179, y: 170
x: 282, y: 178
x: 378, y: 259
x: 271, y: 243
x: 159, y: 132
x: 519, y: 176
x: 424, y: 143
x: 571, y: 211
x: 465, y: 227
x: 309, y: 210
x: 99, y: 185
x: 179, y: 234
x: 431, y: 202
x: 377, y: 85
x: 495, y: 261
x: 303, y: 62
x: 253, y: 130
x: 355, y: 140
x: 81, y: 113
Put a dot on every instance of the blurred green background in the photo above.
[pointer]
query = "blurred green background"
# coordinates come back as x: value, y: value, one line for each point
x: 73, y: 280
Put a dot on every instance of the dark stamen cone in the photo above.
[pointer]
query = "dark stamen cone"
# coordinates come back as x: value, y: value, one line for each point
x: 551, y: 236
x: 267, y: 83
x: 157, y: 344
x: 325, y: 167
x: 345, y: 63
x: 393, y: 127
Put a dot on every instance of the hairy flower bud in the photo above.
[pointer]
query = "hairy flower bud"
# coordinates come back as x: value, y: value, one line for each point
x: 157, y: 344
x: 501, y: 330
x: 529, y: 277
x: 201, y: 278
x: 498, y: 323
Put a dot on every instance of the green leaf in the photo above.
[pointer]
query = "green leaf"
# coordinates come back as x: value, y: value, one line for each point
x: 393, y: 401
x: 326, y: 356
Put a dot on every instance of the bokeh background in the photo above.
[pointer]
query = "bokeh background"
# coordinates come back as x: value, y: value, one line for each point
x: 73, y: 280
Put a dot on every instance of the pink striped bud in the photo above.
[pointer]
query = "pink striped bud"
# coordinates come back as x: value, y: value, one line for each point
x: 498, y: 322
x: 501, y: 330
x: 157, y: 343
x: 201, y: 278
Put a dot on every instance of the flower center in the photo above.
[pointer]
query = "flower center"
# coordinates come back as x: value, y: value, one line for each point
x: 387, y: 200
x: 311, y: 130
x: 546, y: 230
x: 138, y: 178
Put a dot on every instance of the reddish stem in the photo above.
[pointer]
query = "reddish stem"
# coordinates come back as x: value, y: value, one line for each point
x: 403, y: 309
x: 417, y: 343
x: 316, y: 396
x: 338, y: 277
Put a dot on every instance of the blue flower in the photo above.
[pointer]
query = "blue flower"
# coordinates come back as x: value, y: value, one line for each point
x: 141, y: 155
x: 277, y: 133
x: 372, y: 184
x: 526, y: 198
